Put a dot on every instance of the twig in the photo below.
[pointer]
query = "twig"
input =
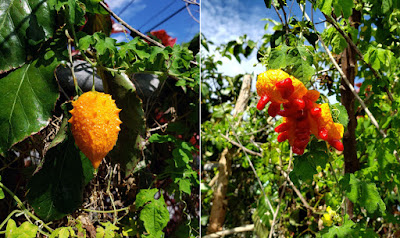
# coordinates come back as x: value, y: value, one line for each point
x: 351, y: 43
x: 241, y: 146
x: 159, y: 127
x: 254, y: 171
x: 192, y: 2
x: 231, y: 231
x: 303, y: 200
x: 277, y: 12
x: 282, y: 193
x: 190, y: 13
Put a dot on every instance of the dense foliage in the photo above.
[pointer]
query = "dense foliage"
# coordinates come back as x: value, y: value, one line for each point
x: 147, y: 186
x: 327, y: 193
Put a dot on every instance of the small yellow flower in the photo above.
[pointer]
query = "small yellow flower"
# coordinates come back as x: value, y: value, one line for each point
x: 327, y: 219
x: 328, y: 216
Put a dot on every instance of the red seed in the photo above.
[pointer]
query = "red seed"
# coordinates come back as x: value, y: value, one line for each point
x: 285, y: 87
x: 282, y: 127
x: 274, y: 109
x: 323, y: 133
x: 337, y: 144
x: 263, y: 101
x: 315, y: 112
x: 299, y: 104
x: 283, y: 136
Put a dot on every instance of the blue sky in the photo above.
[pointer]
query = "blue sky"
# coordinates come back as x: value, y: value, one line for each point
x: 144, y: 14
x: 223, y: 21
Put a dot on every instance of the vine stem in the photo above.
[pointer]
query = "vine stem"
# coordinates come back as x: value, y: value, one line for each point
x: 345, y: 79
x: 110, y: 211
x: 70, y: 40
x: 24, y: 209
x: 8, y: 217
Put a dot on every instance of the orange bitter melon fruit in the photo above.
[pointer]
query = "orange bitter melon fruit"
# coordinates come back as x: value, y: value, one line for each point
x: 95, y: 125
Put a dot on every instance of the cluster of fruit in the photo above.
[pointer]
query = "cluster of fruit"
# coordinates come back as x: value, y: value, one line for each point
x: 301, y: 114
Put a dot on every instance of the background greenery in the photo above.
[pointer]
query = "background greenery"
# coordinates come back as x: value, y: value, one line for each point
x: 318, y: 177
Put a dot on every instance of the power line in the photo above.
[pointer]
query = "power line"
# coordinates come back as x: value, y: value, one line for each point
x: 167, y: 18
x: 158, y: 13
x: 126, y: 7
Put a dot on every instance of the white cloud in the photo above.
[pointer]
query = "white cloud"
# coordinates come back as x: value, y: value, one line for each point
x: 223, y: 21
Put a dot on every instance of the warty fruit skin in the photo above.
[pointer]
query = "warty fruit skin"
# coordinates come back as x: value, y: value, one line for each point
x: 95, y: 125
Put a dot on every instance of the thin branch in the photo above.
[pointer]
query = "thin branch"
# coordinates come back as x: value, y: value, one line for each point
x: 192, y: 2
x: 190, y: 13
x: 242, y: 147
x: 159, y: 127
x: 254, y: 170
x: 303, y: 200
x: 351, y: 43
x: 131, y: 28
x: 282, y: 193
x: 277, y: 12
x: 373, y: 120
x: 231, y: 231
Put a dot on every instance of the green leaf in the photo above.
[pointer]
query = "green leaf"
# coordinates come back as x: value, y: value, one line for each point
x: 26, y: 230
x: 144, y: 196
x: 22, y: 22
x: 295, y: 60
x: 305, y: 166
x: 108, y: 231
x: 268, y: 3
x: 76, y: 14
x: 135, y: 47
x: 28, y: 98
x: 261, y: 218
x: 345, y: 230
x: 363, y: 193
x: 379, y: 58
x: 130, y: 142
x: 161, y: 138
x: 184, y: 186
x: 325, y: 6
x: 56, y: 189
x: 343, y: 6
x: 62, y: 232
x: 301, y: 60
x: 155, y: 216
x: 339, y: 114
x: 93, y: 6
x: 278, y: 57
